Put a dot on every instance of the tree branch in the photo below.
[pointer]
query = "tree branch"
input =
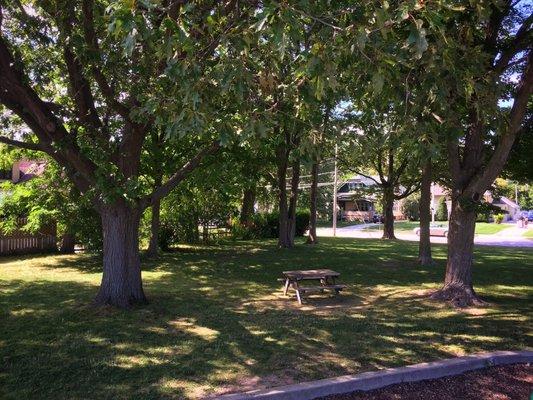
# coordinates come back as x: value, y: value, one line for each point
x: 411, y: 189
x: 516, y: 117
x: 22, y: 145
x: 19, y: 97
x: 179, y: 175
x: 356, y: 171
x: 92, y: 43
x: 520, y: 42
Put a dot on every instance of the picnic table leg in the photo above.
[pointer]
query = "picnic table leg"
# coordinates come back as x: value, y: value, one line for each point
x: 287, y: 284
x: 298, y: 296
x: 323, y: 282
x: 297, y: 289
x: 337, y: 291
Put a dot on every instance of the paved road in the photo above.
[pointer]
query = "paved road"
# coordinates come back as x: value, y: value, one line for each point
x: 508, y: 237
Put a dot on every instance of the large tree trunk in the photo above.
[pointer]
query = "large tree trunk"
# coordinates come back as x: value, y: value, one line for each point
x: 424, y: 245
x: 458, y: 287
x: 247, y: 209
x: 121, y: 280
x: 312, y: 238
x: 388, y: 214
x: 291, y: 220
x: 68, y: 242
x: 282, y: 159
x: 153, y: 247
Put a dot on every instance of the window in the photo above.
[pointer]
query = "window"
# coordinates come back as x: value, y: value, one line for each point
x: 363, y: 205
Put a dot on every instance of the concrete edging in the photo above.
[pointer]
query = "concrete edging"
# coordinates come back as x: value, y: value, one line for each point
x: 378, y: 379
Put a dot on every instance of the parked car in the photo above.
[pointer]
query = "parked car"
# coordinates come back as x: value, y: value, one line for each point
x: 377, y: 219
x: 434, y: 230
x: 530, y: 215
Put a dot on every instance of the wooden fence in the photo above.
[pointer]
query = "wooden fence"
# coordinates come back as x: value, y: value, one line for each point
x: 20, y: 242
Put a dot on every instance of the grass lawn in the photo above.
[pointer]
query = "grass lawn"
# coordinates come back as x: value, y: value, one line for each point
x: 217, y: 320
x: 528, y: 233
x: 485, y: 228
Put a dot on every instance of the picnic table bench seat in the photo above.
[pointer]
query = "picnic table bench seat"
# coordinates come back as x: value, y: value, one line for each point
x: 326, y: 277
x: 320, y: 288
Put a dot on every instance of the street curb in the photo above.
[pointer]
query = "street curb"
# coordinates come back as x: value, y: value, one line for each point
x: 378, y: 379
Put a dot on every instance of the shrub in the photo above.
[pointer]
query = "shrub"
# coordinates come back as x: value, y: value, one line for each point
x: 442, y: 210
x: 485, y: 211
x: 498, y: 218
x: 266, y: 225
x: 411, y: 208
x: 302, y: 221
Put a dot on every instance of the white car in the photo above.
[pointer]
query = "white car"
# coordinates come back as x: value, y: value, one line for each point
x: 434, y: 230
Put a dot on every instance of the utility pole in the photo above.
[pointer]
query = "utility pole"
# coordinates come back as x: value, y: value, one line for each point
x: 432, y: 202
x: 335, y: 196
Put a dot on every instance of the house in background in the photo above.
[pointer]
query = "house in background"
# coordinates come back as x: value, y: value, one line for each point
x: 356, y: 199
x: 22, y: 171
x: 21, y: 242
x: 438, y: 193
x: 510, y: 209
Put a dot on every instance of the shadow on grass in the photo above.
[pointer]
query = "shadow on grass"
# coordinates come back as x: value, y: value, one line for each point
x: 217, y: 323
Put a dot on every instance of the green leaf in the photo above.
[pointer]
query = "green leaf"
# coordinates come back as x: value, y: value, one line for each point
x: 362, y: 38
x: 377, y: 82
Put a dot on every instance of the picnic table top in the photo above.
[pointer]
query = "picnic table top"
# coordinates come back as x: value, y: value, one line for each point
x: 310, y: 273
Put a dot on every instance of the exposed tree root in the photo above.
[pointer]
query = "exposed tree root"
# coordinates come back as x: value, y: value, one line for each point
x: 458, y: 295
x: 388, y: 237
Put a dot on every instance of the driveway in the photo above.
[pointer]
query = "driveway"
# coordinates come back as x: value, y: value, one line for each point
x: 511, y: 237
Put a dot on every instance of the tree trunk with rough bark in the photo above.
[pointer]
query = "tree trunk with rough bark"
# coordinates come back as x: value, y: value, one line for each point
x: 247, y: 209
x: 388, y: 214
x: 282, y: 158
x: 312, y: 238
x: 424, y: 245
x: 458, y: 287
x: 121, y: 280
x: 153, y: 247
x: 293, y: 200
x: 68, y: 242
x: 205, y: 232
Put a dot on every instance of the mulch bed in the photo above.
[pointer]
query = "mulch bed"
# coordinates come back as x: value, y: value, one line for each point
x: 508, y: 382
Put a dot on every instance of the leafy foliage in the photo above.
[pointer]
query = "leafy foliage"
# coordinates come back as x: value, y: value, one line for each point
x: 442, y: 210
x: 411, y: 208
x: 266, y: 225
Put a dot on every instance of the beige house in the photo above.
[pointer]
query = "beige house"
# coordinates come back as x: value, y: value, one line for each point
x: 510, y: 209
x: 508, y: 206
x: 356, y: 200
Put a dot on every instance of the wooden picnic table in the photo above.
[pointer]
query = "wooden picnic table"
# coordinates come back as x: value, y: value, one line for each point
x: 326, y: 277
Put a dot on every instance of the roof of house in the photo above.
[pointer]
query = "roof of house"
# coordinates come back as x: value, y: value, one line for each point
x: 350, y: 196
x: 506, y: 201
x: 30, y: 168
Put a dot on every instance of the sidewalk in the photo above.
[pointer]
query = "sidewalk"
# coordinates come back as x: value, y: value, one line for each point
x: 511, y: 237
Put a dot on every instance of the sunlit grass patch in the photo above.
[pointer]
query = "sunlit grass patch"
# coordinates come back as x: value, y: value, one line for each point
x: 485, y: 228
x: 218, y: 322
